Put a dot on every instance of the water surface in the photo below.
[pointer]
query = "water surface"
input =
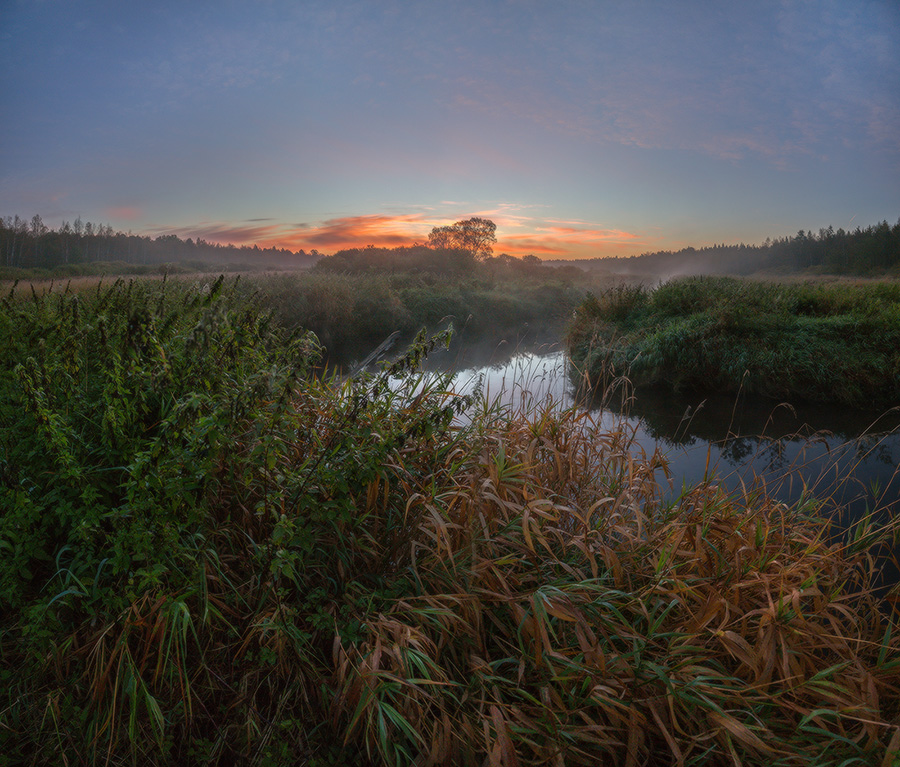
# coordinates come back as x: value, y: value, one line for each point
x: 846, y: 456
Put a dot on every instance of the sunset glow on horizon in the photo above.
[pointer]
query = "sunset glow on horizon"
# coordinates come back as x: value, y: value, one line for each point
x: 582, y: 130
x: 546, y: 240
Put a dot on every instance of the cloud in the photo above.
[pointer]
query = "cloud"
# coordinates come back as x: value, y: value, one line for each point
x: 353, y: 231
x: 226, y: 234
x: 518, y: 235
x: 123, y: 213
x: 329, y: 236
x: 568, y: 241
x: 210, y: 54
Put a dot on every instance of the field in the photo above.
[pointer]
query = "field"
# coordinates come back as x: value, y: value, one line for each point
x: 822, y: 341
x: 214, y: 555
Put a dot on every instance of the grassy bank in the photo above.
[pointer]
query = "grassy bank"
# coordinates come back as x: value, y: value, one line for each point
x: 352, y: 313
x: 212, y: 557
x: 820, y: 341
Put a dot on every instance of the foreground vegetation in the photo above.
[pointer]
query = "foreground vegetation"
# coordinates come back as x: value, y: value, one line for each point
x: 351, y: 314
x: 211, y: 556
x: 820, y: 341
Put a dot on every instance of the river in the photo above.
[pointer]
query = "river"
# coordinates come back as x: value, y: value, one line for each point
x: 849, y: 458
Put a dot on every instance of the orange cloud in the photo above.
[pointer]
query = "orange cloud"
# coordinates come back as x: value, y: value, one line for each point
x: 354, y: 231
x: 548, y: 238
x: 227, y: 234
x: 569, y: 242
x: 328, y: 236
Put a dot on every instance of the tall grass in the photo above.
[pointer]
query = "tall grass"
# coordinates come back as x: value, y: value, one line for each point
x: 352, y: 313
x: 822, y: 342
x: 211, y: 556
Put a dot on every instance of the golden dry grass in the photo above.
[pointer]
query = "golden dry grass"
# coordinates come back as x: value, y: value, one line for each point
x: 566, y: 616
x: 292, y: 570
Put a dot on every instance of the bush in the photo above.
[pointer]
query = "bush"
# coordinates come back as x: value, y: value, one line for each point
x: 819, y: 342
x: 212, y: 556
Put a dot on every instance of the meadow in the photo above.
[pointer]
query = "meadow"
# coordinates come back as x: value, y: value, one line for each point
x: 213, y: 554
x: 352, y: 313
x: 830, y: 341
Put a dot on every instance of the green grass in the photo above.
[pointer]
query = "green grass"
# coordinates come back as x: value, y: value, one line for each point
x: 352, y: 313
x: 822, y: 342
x: 212, y: 556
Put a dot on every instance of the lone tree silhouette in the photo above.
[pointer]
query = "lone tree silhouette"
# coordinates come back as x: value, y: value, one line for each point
x: 475, y: 235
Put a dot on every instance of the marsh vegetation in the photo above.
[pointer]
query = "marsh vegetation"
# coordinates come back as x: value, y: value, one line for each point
x: 211, y: 555
x: 823, y: 341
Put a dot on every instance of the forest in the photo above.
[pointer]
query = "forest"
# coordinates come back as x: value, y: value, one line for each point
x: 872, y: 251
x: 77, y: 248
x: 31, y: 244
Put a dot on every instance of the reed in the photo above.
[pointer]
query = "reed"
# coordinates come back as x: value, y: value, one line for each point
x: 820, y: 341
x: 213, y: 556
x: 352, y: 313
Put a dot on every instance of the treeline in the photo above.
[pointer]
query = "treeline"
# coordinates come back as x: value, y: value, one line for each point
x: 412, y: 258
x: 31, y: 244
x: 428, y: 260
x: 459, y: 250
x: 870, y: 251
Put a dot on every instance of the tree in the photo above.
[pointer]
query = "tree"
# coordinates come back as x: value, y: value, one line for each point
x: 65, y: 232
x: 19, y: 229
x: 441, y: 238
x: 474, y: 235
x: 38, y: 230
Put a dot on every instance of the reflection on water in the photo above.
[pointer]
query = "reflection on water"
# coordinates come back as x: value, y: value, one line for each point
x: 846, y: 456
x: 849, y: 457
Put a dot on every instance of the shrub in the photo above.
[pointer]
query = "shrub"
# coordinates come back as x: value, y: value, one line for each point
x: 213, y: 556
x: 819, y: 342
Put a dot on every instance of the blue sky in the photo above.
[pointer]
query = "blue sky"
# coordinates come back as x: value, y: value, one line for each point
x: 581, y: 128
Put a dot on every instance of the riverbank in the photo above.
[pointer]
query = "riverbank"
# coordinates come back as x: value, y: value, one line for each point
x: 212, y: 556
x: 822, y: 341
x: 351, y: 314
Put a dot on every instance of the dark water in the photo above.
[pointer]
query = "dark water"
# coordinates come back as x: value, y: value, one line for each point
x: 847, y: 458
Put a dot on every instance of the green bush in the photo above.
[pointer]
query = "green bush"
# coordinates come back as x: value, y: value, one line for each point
x: 814, y: 341
x: 161, y: 441
x: 210, y: 556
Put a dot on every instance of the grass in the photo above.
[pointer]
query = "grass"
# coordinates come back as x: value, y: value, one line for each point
x: 352, y: 313
x: 820, y: 342
x: 212, y: 556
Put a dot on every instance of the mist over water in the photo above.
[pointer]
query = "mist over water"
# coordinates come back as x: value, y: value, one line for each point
x: 849, y: 458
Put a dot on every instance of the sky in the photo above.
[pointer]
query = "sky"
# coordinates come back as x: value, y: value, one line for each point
x: 581, y: 128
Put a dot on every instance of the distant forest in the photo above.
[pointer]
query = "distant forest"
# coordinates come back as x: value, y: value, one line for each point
x: 426, y: 259
x: 872, y: 251
x: 31, y: 244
